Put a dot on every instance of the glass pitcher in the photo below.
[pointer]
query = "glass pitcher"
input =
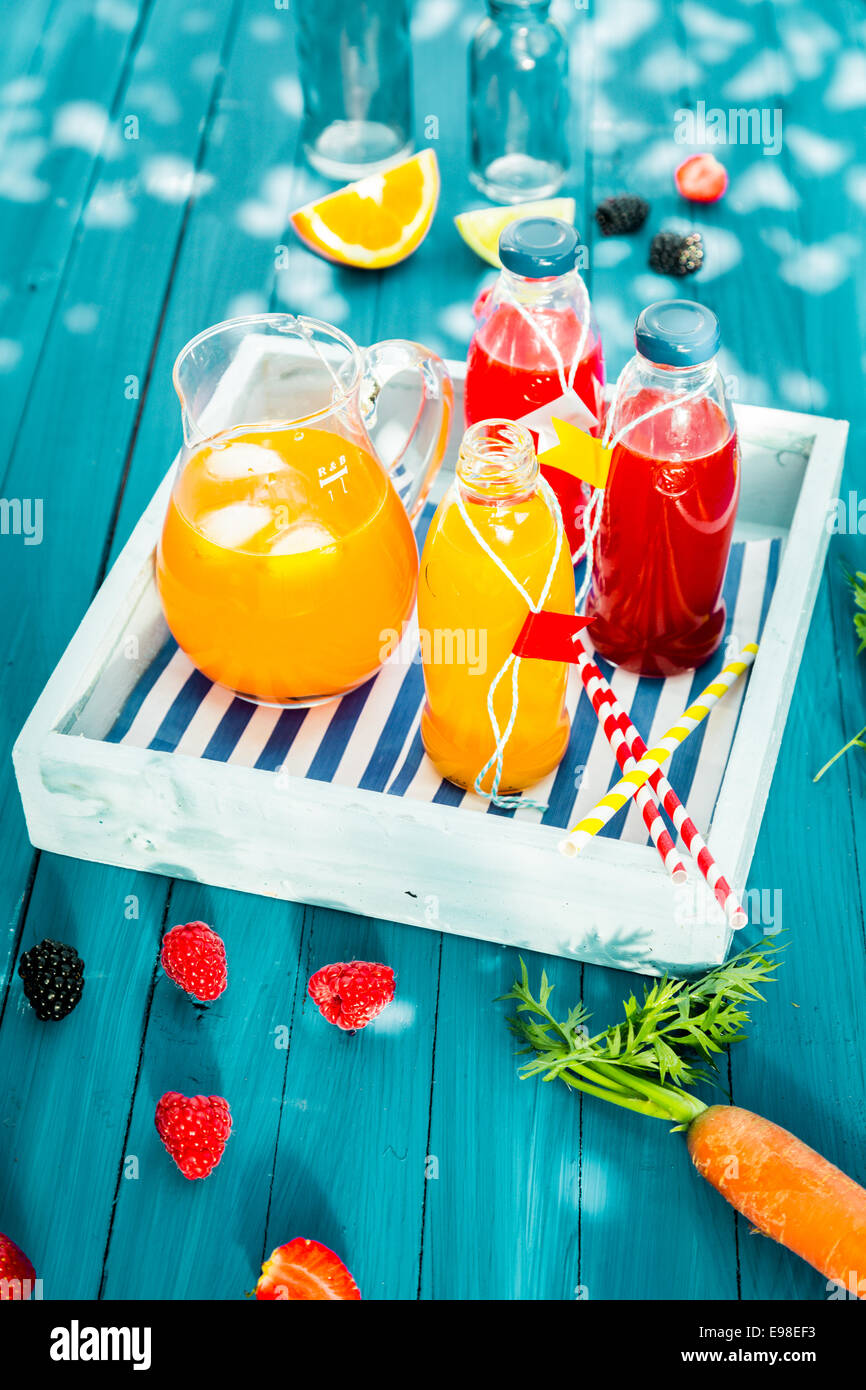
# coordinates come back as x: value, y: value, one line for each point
x: 287, y: 559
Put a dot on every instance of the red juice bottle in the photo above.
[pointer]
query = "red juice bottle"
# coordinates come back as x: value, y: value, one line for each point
x: 671, y: 499
x: 536, y: 352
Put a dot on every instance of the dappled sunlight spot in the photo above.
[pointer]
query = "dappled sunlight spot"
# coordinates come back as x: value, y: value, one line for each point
x: 816, y: 269
x: 21, y: 90
x: 268, y: 215
x: 741, y: 385
x: 659, y: 159
x: 457, y: 320
x: 16, y: 121
x: 765, y: 77
x: 719, y: 33
x: 10, y: 354
x: 288, y: 95
x: 19, y: 181
x: 432, y: 17
x: 855, y: 184
x: 611, y: 251
x: 242, y: 305
x: 203, y: 67
x: 621, y: 23
x: 611, y: 129
x: 109, y: 207
x: 668, y: 69
x: 117, y: 14
x: 84, y: 125
x: 173, y: 178
x: 847, y: 89
x: 158, y: 100
x: 595, y: 1176
x: 817, y: 153
x: 266, y: 28
x: 618, y: 326
x: 196, y: 21
x: 81, y: 318
x: 308, y: 286
x: 763, y: 185
x: 396, y: 1018
x: 802, y: 391
x: 807, y: 40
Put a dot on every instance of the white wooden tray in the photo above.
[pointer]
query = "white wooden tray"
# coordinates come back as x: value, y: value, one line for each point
x: 417, y: 861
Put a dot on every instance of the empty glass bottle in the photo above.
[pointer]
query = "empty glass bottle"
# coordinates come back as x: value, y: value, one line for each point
x: 356, y: 72
x: 518, y: 102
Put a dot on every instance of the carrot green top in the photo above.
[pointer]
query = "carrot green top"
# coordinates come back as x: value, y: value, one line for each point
x: 664, y: 1044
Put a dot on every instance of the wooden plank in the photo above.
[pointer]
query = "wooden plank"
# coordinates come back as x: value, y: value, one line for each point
x: 352, y: 1161
x: 66, y: 1086
x: 172, y: 1238
x: 800, y: 1071
x: 54, y: 580
x: 62, y: 132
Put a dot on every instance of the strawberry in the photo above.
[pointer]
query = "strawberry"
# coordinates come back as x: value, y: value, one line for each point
x: 352, y: 994
x: 304, y: 1270
x: 15, y: 1271
x: 195, y: 958
x: 701, y: 178
x: 194, y: 1129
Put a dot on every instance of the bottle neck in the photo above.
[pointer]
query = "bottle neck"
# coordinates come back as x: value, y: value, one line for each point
x: 553, y: 288
x: 518, y: 10
x: 677, y: 379
x: 497, y: 462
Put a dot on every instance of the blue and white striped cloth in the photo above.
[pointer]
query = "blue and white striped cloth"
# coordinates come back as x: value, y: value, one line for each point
x: 371, y: 738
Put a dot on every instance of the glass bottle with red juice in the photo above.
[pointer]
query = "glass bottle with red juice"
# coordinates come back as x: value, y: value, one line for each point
x: 670, y: 501
x: 536, y: 351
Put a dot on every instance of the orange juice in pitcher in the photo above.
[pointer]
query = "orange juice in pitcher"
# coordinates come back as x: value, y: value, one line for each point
x: 287, y: 556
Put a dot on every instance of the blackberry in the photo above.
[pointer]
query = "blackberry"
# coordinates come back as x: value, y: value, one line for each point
x: 53, y: 975
x: 672, y: 254
x: 626, y: 213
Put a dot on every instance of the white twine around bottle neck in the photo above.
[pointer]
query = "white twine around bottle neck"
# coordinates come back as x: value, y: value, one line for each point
x: 511, y: 662
x: 566, y: 380
x: 593, y: 508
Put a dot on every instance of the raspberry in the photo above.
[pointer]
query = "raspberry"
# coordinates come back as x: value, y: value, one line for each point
x: 306, y: 1271
x: 17, y: 1274
x: 672, y: 254
x: 53, y: 976
x: 194, y: 1129
x: 352, y: 994
x: 618, y: 216
x: 701, y: 178
x: 195, y: 958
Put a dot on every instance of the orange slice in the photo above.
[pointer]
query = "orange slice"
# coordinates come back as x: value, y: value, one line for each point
x: 377, y: 221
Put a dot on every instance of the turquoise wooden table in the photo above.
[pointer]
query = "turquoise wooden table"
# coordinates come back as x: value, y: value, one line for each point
x: 150, y: 160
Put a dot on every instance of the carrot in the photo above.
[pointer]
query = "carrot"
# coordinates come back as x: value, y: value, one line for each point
x: 785, y: 1189
x: 667, y: 1043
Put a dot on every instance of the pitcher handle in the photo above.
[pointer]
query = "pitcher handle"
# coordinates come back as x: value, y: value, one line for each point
x: 428, y: 437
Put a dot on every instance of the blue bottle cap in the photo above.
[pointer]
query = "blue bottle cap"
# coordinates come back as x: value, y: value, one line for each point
x: 677, y: 333
x: 537, y: 247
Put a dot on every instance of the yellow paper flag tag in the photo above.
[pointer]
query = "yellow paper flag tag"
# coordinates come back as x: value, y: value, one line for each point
x: 578, y: 454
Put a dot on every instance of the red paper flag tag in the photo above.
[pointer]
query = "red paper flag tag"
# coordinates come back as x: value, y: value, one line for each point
x: 549, y: 636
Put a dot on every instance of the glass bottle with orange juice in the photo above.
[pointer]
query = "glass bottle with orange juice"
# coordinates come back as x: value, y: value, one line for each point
x: 497, y: 524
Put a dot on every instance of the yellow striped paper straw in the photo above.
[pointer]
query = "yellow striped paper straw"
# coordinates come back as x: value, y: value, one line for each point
x: 605, y: 810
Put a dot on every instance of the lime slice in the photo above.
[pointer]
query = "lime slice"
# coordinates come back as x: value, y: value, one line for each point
x: 482, y: 227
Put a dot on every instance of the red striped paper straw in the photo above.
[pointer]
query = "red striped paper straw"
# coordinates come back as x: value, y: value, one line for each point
x: 629, y: 738
x: 598, y: 691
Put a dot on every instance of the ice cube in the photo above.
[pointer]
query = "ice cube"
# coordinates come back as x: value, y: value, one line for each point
x: 235, y: 525
x: 302, y: 536
x: 234, y: 461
